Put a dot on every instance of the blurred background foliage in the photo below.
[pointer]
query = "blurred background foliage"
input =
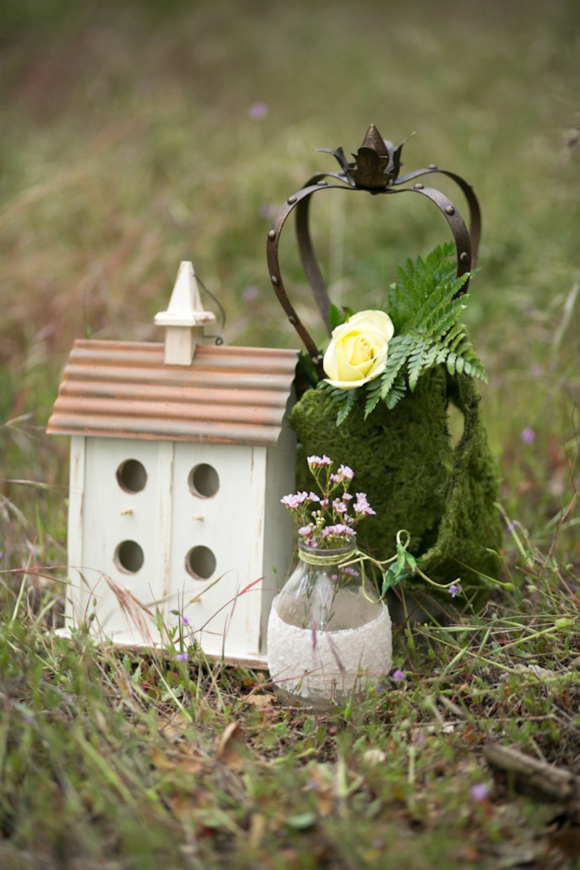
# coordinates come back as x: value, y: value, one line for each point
x: 140, y: 133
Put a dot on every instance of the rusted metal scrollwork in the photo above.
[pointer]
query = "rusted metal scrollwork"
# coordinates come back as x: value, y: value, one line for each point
x: 375, y: 170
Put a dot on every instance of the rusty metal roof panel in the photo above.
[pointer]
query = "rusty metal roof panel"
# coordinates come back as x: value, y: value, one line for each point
x: 235, y: 395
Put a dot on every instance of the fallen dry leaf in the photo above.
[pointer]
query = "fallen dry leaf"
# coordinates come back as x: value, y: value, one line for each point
x: 228, y: 746
x: 184, y: 761
x: 264, y: 700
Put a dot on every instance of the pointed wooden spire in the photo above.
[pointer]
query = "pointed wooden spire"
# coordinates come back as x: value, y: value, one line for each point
x: 184, y: 319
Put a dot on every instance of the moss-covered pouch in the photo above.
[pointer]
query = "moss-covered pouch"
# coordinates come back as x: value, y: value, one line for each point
x: 415, y: 479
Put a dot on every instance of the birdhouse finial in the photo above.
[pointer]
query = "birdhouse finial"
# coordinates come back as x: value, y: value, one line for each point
x: 185, y: 319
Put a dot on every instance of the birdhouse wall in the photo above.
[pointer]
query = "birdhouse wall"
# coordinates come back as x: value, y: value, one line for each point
x: 159, y: 522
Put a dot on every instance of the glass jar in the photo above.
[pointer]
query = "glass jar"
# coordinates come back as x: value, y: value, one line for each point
x: 329, y: 635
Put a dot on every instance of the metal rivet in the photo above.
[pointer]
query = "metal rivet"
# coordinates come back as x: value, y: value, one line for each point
x: 464, y: 256
x: 293, y: 319
x: 291, y: 200
x: 431, y: 166
x: 419, y: 186
x: 322, y: 183
x: 272, y: 234
x: 449, y: 209
x: 275, y: 280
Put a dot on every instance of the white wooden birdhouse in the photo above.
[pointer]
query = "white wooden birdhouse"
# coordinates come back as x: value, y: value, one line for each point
x: 180, y: 454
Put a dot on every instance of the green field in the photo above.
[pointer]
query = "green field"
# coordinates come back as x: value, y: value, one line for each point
x: 139, y: 134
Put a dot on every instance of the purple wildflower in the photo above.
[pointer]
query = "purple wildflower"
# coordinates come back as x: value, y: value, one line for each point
x: 339, y: 529
x: 453, y: 589
x: 318, y: 461
x: 512, y: 526
x: 345, y: 472
x: 258, y: 111
x: 181, y: 657
x: 294, y: 500
x: 186, y: 620
x: 528, y: 435
x: 398, y: 675
x: 479, y: 791
x: 362, y: 506
x: 352, y: 572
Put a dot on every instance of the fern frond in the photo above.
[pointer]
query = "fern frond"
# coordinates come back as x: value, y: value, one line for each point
x: 346, y: 406
x: 374, y: 394
x: 397, y: 392
x: 415, y: 363
x: 344, y: 399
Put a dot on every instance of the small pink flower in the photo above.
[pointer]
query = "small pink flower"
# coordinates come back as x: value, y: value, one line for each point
x: 305, y: 531
x: 335, y: 478
x: 318, y: 461
x: 258, y: 111
x: 479, y: 791
x: 338, y: 506
x: 345, y: 472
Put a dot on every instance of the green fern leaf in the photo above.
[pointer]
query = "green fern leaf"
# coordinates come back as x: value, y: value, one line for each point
x: 415, y: 363
x: 396, y: 393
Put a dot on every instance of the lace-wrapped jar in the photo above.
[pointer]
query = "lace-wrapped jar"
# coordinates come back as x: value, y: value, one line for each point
x: 329, y: 635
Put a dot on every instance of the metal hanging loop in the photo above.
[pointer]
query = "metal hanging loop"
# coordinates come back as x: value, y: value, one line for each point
x: 376, y: 171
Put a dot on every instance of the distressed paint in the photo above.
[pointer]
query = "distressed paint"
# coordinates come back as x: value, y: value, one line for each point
x: 75, y: 529
x: 164, y: 518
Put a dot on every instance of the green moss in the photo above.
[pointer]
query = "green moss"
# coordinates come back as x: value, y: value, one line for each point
x: 415, y: 480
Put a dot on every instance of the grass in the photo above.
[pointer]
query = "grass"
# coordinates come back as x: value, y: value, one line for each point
x: 127, y: 146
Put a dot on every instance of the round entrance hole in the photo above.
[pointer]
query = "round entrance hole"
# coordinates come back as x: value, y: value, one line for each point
x: 131, y: 475
x: 200, y: 562
x: 129, y: 557
x: 204, y: 480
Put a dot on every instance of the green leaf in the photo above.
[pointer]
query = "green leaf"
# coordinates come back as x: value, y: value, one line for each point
x: 307, y: 367
x: 393, y: 576
x: 302, y: 821
x: 336, y: 316
x: 346, y: 406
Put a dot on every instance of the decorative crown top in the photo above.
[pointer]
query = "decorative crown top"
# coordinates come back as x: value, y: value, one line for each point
x: 376, y: 163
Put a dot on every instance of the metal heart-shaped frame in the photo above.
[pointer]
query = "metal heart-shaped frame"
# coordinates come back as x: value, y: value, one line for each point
x: 466, y: 241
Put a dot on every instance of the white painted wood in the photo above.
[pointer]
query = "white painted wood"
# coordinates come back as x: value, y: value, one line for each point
x: 230, y: 524
x: 278, y: 527
x: 180, y: 344
x: 112, y: 516
x: 241, y: 522
x: 164, y: 517
x: 184, y: 319
x: 74, y: 607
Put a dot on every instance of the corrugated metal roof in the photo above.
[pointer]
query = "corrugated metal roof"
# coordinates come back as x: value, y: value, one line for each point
x: 234, y: 395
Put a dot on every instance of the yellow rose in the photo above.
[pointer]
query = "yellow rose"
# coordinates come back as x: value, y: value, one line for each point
x: 357, y: 352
